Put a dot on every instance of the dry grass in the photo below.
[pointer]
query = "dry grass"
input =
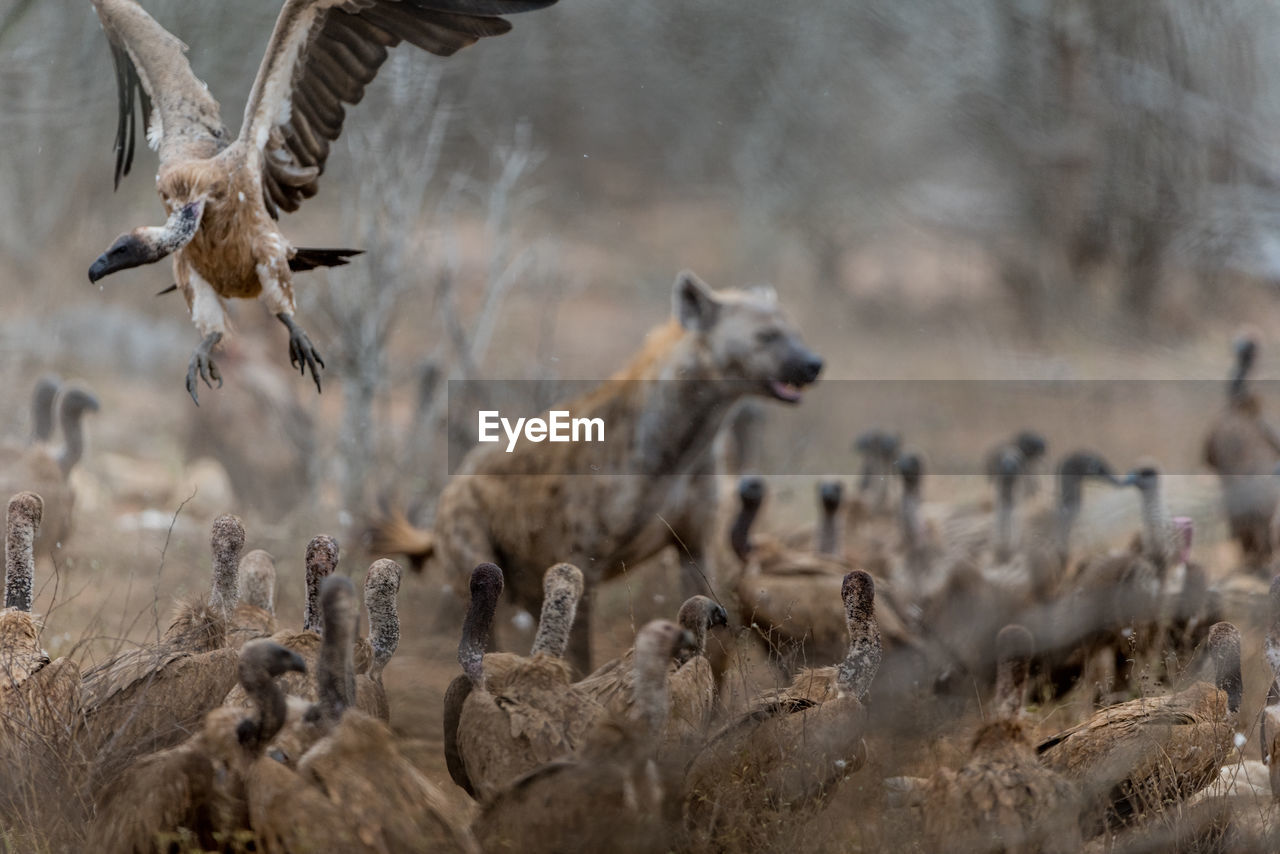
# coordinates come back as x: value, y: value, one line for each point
x: 104, y: 607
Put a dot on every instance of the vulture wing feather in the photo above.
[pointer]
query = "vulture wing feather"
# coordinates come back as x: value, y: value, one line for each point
x: 152, y: 73
x: 454, y: 697
x: 323, y: 53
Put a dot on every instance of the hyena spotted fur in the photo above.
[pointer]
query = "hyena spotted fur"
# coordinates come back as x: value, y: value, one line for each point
x: 524, y: 511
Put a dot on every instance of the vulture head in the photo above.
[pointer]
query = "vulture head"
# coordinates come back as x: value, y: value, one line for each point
x: 148, y: 244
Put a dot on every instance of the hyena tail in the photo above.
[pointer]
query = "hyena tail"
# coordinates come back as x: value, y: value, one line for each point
x: 391, y: 532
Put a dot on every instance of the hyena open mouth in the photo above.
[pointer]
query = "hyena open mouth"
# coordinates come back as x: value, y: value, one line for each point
x: 797, y: 373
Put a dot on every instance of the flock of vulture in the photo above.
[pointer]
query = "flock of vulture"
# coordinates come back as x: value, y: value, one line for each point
x: 234, y: 733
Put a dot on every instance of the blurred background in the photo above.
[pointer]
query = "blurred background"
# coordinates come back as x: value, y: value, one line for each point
x: 1072, y: 189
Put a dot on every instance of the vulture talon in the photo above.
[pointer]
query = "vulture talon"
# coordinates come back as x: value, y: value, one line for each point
x: 302, y: 354
x: 202, y: 366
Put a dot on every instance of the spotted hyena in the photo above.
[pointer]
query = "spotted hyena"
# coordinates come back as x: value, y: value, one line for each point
x: 525, y: 510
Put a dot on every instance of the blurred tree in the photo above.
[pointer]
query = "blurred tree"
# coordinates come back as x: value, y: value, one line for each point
x: 1079, y: 142
x: 469, y: 318
x: 1114, y: 123
x: 393, y: 165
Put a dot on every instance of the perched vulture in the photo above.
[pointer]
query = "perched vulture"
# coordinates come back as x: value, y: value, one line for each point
x: 619, y: 793
x: 1003, y: 799
x: 1143, y: 755
x: 692, y: 685
x: 794, y: 747
x: 508, y: 714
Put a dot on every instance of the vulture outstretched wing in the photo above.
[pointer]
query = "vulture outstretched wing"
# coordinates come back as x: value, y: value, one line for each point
x: 321, y: 56
x: 154, y: 81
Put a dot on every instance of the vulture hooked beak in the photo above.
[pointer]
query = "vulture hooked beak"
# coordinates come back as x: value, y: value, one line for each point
x: 719, y: 616
x: 294, y: 663
x: 128, y: 251
x: 1144, y: 478
x: 1098, y: 468
x: 147, y: 245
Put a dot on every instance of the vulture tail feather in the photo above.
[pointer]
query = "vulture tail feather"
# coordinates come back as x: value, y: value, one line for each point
x: 309, y: 259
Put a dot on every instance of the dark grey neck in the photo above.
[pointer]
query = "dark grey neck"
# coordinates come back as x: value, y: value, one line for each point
x: 311, y: 609
x: 335, y: 674
x: 475, y: 637
x: 650, y: 687
x: 740, y: 534
x: 272, y: 709
x: 258, y: 579
x: 381, y: 588
x: 829, y: 532
x: 1004, y: 517
x: 1155, y: 527
x: 909, y: 516
x: 1069, y: 502
x: 1011, y: 681
x: 1070, y: 492
x: 322, y: 559
x: 42, y: 408
x: 867, y: 477
x: 692, y: 618
x: 873, y: 481
x: 72, y: 440
x: 19, y: 564
x: 873, y: 485
x: 335, y: 665
x: 559, y: 605
x: 856, y: 672
x: 696, y: 616
x: 1244, y: 363
x: 1273, y: 634
x: 1228, y: 678
x: 1271, y: 648
x: 226, y: 577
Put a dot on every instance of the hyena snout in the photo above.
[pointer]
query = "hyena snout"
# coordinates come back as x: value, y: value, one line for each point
x: 811, y: 368
x: 800, y: 368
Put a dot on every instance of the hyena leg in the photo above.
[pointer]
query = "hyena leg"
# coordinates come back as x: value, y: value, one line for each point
x: 462, y: 544
x: 691, y: 531
x: 463, y: 538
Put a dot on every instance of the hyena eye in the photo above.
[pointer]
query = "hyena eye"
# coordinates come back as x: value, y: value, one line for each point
x: 768, y: 336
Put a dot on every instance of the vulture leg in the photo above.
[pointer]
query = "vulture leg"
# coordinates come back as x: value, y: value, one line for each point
x: 203, y: 366
x: 302, y: 354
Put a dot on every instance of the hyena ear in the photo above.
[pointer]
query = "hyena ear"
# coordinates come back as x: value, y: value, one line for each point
x: 696, y: 306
